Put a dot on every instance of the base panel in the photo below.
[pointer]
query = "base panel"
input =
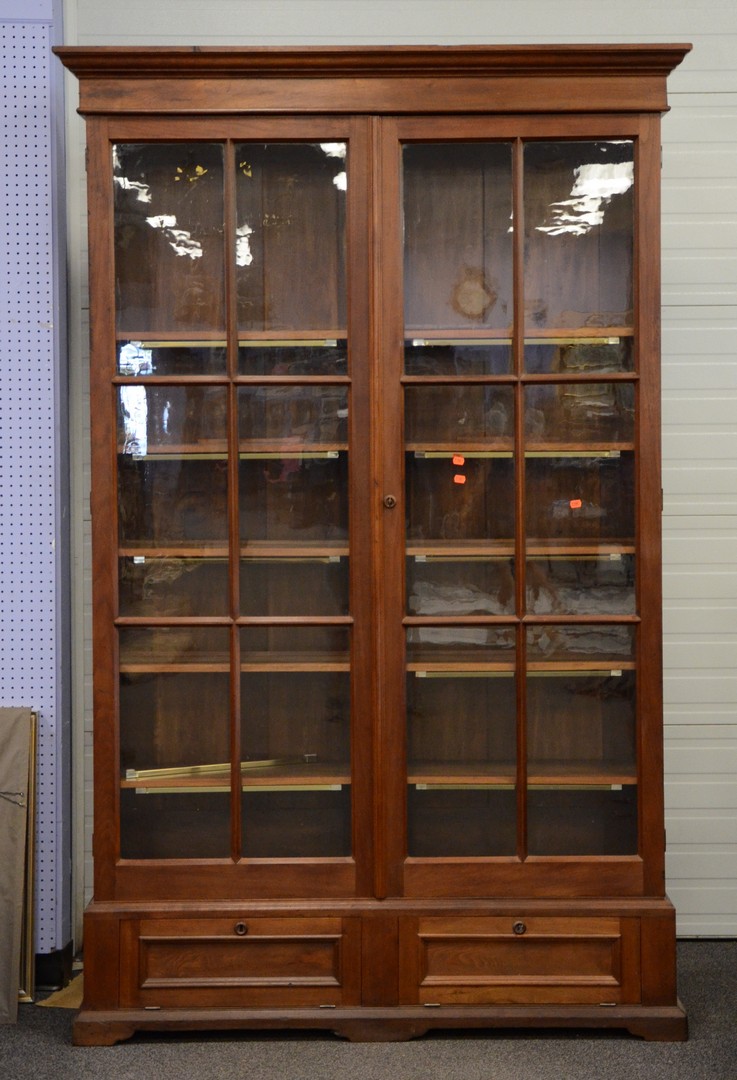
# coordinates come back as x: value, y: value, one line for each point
x: 655, y: 1023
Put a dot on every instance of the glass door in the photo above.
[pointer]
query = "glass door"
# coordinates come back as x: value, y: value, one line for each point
x: 516, y: 396
x: 236, y: 585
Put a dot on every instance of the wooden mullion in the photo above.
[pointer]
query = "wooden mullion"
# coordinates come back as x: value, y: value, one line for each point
x: 518, y: 363
x: 231, y: 308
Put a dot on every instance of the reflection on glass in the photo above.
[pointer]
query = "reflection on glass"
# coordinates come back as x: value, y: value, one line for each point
x: 454, y: 585
x: 293, y: 416
x: 172, y: 419
x: 587, y: 645
x: 290, y: 236
x: 169, y: 237
x: 577, y: 499
x: 462, y: 648
x: 454, y: 417
x: 587, y: 585
x: 295, y: 739
x: 293, y: 358
x: 155, y: 586
x: 579, y: 356
x: 172, y: 470
x: 170, y: 358
x: 422, y: 357
x: 579, y: 413
x: 471, y: 504
x: 311, y: 584
x: 578, y: 219
x: 458, y: 243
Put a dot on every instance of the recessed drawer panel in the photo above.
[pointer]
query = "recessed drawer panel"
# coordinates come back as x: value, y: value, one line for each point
x: 500, y: 960
x: 244, y: 962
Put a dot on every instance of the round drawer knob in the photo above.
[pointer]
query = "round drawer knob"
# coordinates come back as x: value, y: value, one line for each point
x: 519, y: 928
x: 241, y: 928
x: 390, y: 501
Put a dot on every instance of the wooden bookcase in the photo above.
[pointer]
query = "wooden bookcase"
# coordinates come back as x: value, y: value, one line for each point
x: 376, y: 530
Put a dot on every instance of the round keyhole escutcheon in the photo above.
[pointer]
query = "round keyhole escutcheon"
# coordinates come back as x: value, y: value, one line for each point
x: 390, y: 501
x: 519, y: 928
x: 241, y: 928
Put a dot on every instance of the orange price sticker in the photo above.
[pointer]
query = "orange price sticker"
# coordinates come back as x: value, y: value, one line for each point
x: 459, y: 478
x: 458, y: 459
x: 575, y: 504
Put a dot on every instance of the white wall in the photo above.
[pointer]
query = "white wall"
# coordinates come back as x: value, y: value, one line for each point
x: 699, y: 364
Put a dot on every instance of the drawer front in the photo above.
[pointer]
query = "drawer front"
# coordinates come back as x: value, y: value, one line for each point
x: 241, y: 962
x: 520, y: 961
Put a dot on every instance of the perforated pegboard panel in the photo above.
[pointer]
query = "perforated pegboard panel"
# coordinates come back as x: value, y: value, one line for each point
x: 32, y: 459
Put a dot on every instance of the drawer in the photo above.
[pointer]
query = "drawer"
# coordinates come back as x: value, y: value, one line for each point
x: 241, y: 962
x: 520, y: 960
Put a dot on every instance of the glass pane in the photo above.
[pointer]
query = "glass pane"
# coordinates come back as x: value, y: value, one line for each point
x: 589, y: 645
x: 470, y: 358
x: 458, y: 585
x: 599, y: 414
x: 146, y: 649
x: 578, y: 356
x: 467, y: 509
x: 175, y: 768
x: 295, y: 739
x: 169, y: 237
x: 586, y: 585
x: 287, y: 500
x: 459, y: 417
x: 151, y: 586
x: 290, y: 236
x: 170, y: 358
x: 584, y: 820
x: 461, y: 741
x: 302, y: 585
x: 579, y: 502
x: 458, y: 243
x: 460, y: 648
x: 312, y: 418
x: 293, y: 358
x: 172, y: 419
x: 578, y: 219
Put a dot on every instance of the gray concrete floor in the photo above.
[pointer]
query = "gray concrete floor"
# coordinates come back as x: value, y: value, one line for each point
x: 39, y: 1046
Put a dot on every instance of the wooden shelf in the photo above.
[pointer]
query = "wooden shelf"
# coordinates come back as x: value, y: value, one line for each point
x: 313, y: 776
x: 419, y: 336
x: 558, y: 774
x: 308, y: 550
x: 535, y: 548
x: 202, y: 338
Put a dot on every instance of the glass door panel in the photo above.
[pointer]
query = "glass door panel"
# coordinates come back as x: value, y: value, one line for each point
x: 294, y: 482
x: 295, y: 741
x: 459, y: 432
